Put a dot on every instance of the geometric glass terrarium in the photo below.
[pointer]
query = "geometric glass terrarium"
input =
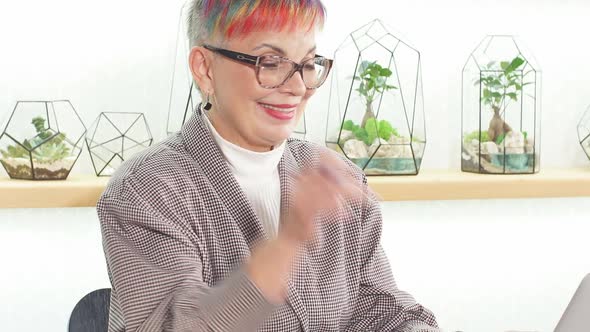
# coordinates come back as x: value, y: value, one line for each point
x: 184, y: 93
x: 114, y: 137
x: 184, y: 96
x: 584, y: 132
x: 376, y: 110
x: 501, y: 108
x: 42, y: 140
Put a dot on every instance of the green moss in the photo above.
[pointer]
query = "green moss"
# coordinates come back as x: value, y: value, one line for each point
x: 475, y: 135
x: 348, y: 125
x: 373, y: 129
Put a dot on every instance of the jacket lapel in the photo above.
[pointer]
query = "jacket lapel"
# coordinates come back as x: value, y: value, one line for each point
x: 200, y: 144
x: 288, y: 167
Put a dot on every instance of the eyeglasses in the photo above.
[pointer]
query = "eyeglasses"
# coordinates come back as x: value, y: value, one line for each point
x: 273, y: 71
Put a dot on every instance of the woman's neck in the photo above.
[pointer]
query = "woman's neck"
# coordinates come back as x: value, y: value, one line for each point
x: 233, y: 136
x: 247, y: 165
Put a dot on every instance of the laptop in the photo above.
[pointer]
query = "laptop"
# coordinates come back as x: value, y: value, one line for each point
x: 576, y: 317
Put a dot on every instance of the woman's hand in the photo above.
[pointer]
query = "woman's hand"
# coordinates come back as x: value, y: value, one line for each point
x: 316, y: 189
x: 322, y: 188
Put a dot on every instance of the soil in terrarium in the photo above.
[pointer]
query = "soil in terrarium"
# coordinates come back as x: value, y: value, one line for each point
x: 20, y: 169
x: 511, y: 153
x: 22, y: 172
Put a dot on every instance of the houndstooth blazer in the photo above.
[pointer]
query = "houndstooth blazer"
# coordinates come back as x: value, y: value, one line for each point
x: 177, y: 227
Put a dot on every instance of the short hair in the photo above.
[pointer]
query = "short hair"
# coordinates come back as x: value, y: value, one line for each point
x: 209, y: 19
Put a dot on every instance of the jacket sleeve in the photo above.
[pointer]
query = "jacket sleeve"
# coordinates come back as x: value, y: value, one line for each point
x: 156, y: 274
x: 380, y: 305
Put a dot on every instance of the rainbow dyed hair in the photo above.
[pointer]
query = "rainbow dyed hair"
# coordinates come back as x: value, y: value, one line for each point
x: 233, y: 18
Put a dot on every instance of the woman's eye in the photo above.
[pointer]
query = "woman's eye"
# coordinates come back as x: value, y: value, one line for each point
x: 270, y: 65
x: 309, y: 67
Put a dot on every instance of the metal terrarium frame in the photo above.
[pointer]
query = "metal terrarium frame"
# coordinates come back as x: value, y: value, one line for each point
x: 122, y: 152
x: 397, y: 55
x: 500, y: 83
x: 584, y: 132
x: 54, y: 135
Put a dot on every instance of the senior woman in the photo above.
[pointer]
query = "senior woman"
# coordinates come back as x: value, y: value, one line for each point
x: 228, y: 225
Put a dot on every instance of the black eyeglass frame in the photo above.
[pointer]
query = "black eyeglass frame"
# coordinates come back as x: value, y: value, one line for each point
x: 255, y: 61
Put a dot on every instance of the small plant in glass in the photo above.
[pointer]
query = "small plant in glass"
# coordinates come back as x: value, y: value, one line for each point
x: 376, y: 115
x: 42, y: 140
x: 501, y: 110
x: 114, y: 137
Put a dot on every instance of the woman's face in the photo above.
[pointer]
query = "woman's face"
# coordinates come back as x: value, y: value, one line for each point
x: 244, y: 112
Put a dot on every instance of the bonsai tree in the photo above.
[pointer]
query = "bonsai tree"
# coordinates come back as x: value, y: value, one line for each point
x: 373, y: 79
x: 500, y: 88
x: 49, y: 146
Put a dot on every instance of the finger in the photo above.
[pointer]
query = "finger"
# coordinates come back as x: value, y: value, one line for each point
x: 315, y: 191
x: 356, y: 193
x: 337, y: 171
x: 328, y: 187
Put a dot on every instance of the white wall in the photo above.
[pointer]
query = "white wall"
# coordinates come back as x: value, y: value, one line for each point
x: 51, y: 258
x: 481, y: 266
x: 118, y: 55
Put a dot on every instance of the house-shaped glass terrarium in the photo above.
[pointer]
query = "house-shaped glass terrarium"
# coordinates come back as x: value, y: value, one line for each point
x: 114, y: 137
x: 376, y: 113
x: 584, y: 132
x: 501, y: 107
x: 42, y: 140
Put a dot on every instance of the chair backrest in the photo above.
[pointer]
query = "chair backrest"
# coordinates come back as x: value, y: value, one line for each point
x: 91, y: 313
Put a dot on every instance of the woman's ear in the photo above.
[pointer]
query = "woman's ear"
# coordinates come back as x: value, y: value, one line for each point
x: 200, y: 65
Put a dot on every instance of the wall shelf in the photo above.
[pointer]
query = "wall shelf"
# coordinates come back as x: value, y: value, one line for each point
x: 84, y: 190
x: 452, y: 185
x: 76, y: 191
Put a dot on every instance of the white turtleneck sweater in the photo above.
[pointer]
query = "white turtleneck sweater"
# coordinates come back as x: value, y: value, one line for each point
x: 258, y: 175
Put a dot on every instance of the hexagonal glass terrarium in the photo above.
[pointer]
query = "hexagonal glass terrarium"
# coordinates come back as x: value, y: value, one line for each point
x: 42, y: 140
x: 376, y: 112
x: 184, y: 94
x: 501, y: 107
x: 114, y: 137
x: 584, y: 132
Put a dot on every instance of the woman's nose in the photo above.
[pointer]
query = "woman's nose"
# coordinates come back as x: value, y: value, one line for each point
x: 295, y: 84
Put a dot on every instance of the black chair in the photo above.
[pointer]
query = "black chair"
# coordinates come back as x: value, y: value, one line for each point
x: 91, y: 313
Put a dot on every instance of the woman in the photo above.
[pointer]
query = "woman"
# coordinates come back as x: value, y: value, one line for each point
x: 229, y: 226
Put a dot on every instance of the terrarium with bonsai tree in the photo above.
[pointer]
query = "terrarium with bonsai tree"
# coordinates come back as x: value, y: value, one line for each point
x: 584, y: 132
x: 500, y: 109
x: 42, y: 140
x: 376, y: 113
